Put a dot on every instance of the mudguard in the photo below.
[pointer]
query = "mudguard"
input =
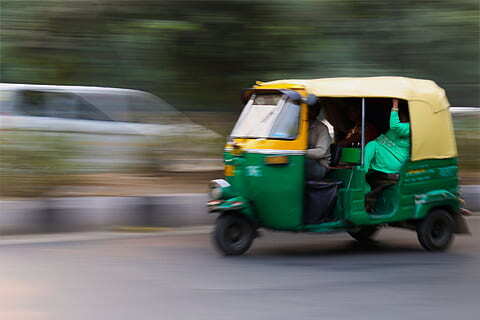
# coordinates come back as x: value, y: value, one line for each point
x: 461, y: 226
x: 238, y: 205
x: 425, y: 202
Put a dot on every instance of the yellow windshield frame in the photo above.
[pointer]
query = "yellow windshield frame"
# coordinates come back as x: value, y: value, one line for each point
x: 299, y: 144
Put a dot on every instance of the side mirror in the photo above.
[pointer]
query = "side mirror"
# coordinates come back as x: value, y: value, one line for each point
x: 295, y: 96
x: 310, y: 100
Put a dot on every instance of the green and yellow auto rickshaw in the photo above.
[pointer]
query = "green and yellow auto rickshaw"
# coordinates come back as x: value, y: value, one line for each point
x: 265, y: 184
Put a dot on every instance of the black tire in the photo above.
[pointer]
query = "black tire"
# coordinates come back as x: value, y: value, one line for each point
x: 364, y: 234
x: 436, y: 231
x: 233, y: 234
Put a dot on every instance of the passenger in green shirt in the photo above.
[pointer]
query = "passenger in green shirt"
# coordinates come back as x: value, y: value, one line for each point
x: 391, y: 150
x: 385, y: 156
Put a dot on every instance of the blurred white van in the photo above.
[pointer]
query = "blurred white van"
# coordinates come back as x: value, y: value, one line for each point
x: 112, y: 127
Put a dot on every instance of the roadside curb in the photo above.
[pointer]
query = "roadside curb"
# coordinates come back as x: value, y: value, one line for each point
x: 101, y: 213
x: 154, y: 213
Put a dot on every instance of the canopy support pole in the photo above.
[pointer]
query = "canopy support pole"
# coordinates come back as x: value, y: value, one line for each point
x: 363, y: 129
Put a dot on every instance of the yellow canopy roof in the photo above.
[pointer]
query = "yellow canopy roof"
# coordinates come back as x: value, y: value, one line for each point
x: 432, y: 129
x: 373, y: 87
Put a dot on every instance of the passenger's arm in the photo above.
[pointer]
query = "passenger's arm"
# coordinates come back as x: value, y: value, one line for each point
x: 317, y: 153
x: 321, y: 149
x: 401, y: 129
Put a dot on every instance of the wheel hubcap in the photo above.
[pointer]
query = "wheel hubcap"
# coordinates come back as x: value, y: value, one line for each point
x: 234, y: 234
x: 439, y: 232
x: 438, y: 229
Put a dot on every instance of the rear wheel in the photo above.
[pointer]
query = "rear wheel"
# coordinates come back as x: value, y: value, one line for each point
x: 435, y: 232
x: 233, y: 234
x: 364, y: 234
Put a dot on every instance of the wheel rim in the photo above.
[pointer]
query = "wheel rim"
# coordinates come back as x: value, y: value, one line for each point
x: 235, y: 235
x: 439, y: 232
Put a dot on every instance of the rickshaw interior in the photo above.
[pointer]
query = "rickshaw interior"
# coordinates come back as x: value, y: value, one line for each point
x: 345, y: 177
x: 377, y: 112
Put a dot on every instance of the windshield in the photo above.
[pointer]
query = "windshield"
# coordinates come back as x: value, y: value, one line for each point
x: 271, y: 116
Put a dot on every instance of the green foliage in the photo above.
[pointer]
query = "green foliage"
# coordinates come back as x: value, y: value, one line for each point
x: 198, y: 54
x: 33, y: 164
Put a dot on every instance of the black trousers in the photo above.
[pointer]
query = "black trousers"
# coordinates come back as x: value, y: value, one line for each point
x: 378, y: 182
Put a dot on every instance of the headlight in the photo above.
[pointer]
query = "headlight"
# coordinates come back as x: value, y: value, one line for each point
x: 216, y: 193
x: 217, y: 188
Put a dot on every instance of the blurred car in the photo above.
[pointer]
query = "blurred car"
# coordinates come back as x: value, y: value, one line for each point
x: 113, y: 128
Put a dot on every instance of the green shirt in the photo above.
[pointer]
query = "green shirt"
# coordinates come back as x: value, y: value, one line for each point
x: 391, y: 150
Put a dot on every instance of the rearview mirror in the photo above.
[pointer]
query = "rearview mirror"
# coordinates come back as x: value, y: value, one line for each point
x: 295, y: 96
x: 311, y: 100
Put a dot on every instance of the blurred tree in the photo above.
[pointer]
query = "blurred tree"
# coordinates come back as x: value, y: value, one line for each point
x: 198, y: 54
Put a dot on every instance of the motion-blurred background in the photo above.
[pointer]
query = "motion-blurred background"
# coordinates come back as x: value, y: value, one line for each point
x: 196, y: 56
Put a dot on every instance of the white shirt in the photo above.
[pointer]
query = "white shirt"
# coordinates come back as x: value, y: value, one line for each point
x: 319, y: 142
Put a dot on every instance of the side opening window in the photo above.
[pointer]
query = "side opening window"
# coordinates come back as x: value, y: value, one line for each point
x: 147, y: 108
x: 140, y: 108
x: 7, y: 98
x: 87, y: 111
x: 61, y: 105
x: 105, y: 105
x: 32, y: 103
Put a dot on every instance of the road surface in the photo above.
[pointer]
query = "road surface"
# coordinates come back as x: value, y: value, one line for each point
x: 178, y: 276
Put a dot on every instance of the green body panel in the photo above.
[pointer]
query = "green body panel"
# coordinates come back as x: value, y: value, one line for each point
x: 423, y: 185
x: 351, y: 196
x: 434, y: 184
x: 435, y: 199
x: 274, y: 194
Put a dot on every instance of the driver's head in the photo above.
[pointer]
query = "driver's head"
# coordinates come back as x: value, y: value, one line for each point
x: 313, y: 112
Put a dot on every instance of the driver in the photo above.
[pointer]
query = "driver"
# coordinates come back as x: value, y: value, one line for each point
x: 319, y: 141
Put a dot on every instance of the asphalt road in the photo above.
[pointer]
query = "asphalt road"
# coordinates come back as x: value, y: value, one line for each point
x: 284, y: 276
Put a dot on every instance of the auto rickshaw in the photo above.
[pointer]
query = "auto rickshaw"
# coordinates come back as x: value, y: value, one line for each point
x: 265, y: 185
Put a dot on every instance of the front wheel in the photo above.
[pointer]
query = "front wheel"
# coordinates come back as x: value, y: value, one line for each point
x: 364, y: 234
x: 233, y: 234
x: 435, y: 232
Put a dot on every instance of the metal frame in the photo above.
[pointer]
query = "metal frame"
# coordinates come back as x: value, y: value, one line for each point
x: 363, y: 131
